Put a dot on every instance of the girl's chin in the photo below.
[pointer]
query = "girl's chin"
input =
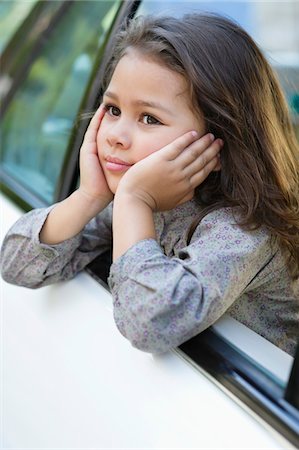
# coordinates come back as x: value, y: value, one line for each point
x: 113, y: 180
x: 113, y: 187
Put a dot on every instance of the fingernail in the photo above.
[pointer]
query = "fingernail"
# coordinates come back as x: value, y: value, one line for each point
x: 221, y: 142
x: 211, y: 136
x: 194, y: 133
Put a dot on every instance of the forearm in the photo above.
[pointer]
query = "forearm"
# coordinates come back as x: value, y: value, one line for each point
x: 26, y: 261
x: 69, y: 217
x: 132, y: 222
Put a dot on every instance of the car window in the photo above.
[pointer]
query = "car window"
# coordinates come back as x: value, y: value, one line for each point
x: 272, y: 24
x: 38, y: 122
x: 12, y: 14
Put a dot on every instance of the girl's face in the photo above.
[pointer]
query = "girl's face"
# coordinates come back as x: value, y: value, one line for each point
x: 147, y: 107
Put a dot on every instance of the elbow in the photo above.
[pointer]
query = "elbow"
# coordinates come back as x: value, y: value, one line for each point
x: 151, y: 342
x: 6, y: 276
x: 164, y: 320
x: 20, y: 269
x: 12, y: 276
x: 7, y: 269
x: 145, y: 335
x: 6, y: 273
x: 11, y: 279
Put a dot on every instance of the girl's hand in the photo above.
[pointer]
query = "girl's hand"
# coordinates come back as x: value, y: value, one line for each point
x: 93, y: 184
x: 168, y: 177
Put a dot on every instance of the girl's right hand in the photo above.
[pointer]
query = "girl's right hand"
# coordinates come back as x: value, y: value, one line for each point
x: 70, y: 216
x: 93, y: 183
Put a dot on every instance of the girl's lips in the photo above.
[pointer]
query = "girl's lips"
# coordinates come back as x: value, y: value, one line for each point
x: 116, y: 164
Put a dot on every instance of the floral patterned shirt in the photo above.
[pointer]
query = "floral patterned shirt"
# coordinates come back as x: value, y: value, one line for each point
x: 166, y: 291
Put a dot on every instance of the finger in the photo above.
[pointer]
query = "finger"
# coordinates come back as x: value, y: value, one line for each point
x: 176, y: 147
x: 196, y: 149
x: 93, y: 127
x: 203, y: 159
x: 218, y: 165
x: 201, y: 175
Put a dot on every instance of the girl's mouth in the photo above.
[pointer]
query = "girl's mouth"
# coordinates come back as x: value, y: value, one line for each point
x: 116, y: 164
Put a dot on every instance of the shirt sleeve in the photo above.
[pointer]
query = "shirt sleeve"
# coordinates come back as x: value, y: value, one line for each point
x: 27, y: 262
x: 160, y: 302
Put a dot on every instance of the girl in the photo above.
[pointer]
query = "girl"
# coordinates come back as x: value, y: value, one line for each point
x: 194, y: 235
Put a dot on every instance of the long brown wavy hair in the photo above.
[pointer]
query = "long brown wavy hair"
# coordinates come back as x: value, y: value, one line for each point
x: 234, y: 88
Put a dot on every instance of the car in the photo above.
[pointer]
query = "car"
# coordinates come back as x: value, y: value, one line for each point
x: 68, y: 378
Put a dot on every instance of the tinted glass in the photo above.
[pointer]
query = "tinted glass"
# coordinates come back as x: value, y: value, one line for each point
x: 38, y: 123
x: 12, y: 14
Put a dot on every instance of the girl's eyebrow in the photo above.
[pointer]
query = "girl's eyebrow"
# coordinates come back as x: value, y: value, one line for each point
x: 149, y: 104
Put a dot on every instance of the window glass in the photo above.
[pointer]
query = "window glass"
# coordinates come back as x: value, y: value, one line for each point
x: 273, y: 25
x: 12, y: 14
x: 37, y: 124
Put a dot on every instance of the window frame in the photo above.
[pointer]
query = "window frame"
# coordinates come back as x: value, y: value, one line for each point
x: 210, y: 352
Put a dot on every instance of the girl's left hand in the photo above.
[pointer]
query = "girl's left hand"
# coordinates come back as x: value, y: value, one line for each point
x: 168, y: 177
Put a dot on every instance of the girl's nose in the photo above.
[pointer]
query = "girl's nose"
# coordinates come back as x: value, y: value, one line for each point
x: 119, y: 136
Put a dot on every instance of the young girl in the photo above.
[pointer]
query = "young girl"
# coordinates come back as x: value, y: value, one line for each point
x: 195, y: 235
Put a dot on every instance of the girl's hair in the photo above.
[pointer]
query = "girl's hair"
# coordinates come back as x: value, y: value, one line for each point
x: 233, y: 87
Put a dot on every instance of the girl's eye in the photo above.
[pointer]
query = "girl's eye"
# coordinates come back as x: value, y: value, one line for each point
x: 113, y: 110
x: 147, y: 119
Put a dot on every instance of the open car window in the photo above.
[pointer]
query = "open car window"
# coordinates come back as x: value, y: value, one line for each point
x: 255, y: 370
x: 229, y: 351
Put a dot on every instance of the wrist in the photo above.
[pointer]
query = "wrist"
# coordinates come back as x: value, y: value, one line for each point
x: 132, y: 222
x: 138, y: 198
x: 88, y: 205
